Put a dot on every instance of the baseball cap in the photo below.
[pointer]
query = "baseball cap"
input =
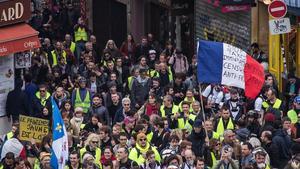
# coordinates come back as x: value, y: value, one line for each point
x: 297, y: 100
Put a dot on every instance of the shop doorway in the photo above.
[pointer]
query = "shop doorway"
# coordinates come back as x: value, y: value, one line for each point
x: 109, y: 21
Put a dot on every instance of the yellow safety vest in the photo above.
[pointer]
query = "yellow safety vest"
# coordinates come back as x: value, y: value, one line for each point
x: 130, y: 81
x: 153, y: 73
x: 81, y: 34
x: 175, y: 109
x: 97, y: 155
x: 82, y: 126
x: 36, y: 164
x: 213, y: 158
x: 186, y: 99
x: 136, y: 154
x: 292, y: 114
x: 276, y: 105
x: 9, y: 135
x: 149, y: 137
x: 221, y: 129
x: 54, y: 57
x: 43, y: 101
x: 215, y: 135
x: 184, y: 124
x: 72, y: 47
x: 85, y: 104
x: 170, y: 73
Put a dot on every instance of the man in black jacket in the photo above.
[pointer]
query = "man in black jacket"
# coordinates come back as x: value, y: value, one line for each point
x: 17, y: 102
x: 271, y: 148
x: 197, y: 138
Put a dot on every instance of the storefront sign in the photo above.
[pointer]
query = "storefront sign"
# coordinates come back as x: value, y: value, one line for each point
x: 180, y: 7
x: 280, y: 26
x: 19, y: 45
x: 33, y: 128
x: 235, y: 8
x: 14, y: 11
x: 237, y: 2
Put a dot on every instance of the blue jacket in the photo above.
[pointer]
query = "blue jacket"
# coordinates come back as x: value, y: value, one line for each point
x: 119, y: 116
x: 284, y: 142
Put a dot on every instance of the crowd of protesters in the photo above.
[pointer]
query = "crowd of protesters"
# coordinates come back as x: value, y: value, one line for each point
x: 140, y: 106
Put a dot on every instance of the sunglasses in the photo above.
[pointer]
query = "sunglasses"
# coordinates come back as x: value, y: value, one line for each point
x: 42, y: 91
x: 95, y: 142
x: 143, y: 139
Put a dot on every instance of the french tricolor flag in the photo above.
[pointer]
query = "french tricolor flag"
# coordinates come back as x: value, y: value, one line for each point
x: 221, y: 63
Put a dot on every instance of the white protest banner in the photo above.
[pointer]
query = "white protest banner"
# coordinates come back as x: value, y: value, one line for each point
x: 234, y: 60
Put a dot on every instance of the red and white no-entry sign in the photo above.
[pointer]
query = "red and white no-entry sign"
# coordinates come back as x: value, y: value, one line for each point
x: 277, y: 9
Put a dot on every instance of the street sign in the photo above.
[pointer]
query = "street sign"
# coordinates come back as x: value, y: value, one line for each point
x: 277, y: 9
x: 280, y: 26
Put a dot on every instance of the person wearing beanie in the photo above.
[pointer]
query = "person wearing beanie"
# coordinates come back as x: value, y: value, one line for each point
x: 197, y: 137
x: 77, y: 121
x: 138, y: 153
x: 88, y: 161
x: 81, y: 97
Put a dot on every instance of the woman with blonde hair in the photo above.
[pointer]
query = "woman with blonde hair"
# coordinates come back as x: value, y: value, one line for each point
x: 91, y: 145
x: 112, y: 48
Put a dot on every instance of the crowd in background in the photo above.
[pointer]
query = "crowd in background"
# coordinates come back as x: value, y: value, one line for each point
x: 140, y: 105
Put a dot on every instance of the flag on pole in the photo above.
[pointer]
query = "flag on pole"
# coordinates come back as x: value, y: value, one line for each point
x: 221, y: 63
x: 60, y: 152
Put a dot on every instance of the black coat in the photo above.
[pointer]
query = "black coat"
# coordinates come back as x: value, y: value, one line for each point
x: 283, y: 141
x: 273, y: 151
x: 17, y: 103
x: 140, y: 92
x: 37, y: 106
x: 198, y: 141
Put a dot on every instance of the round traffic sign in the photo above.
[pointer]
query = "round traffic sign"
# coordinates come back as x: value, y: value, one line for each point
x: 277, y: 9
